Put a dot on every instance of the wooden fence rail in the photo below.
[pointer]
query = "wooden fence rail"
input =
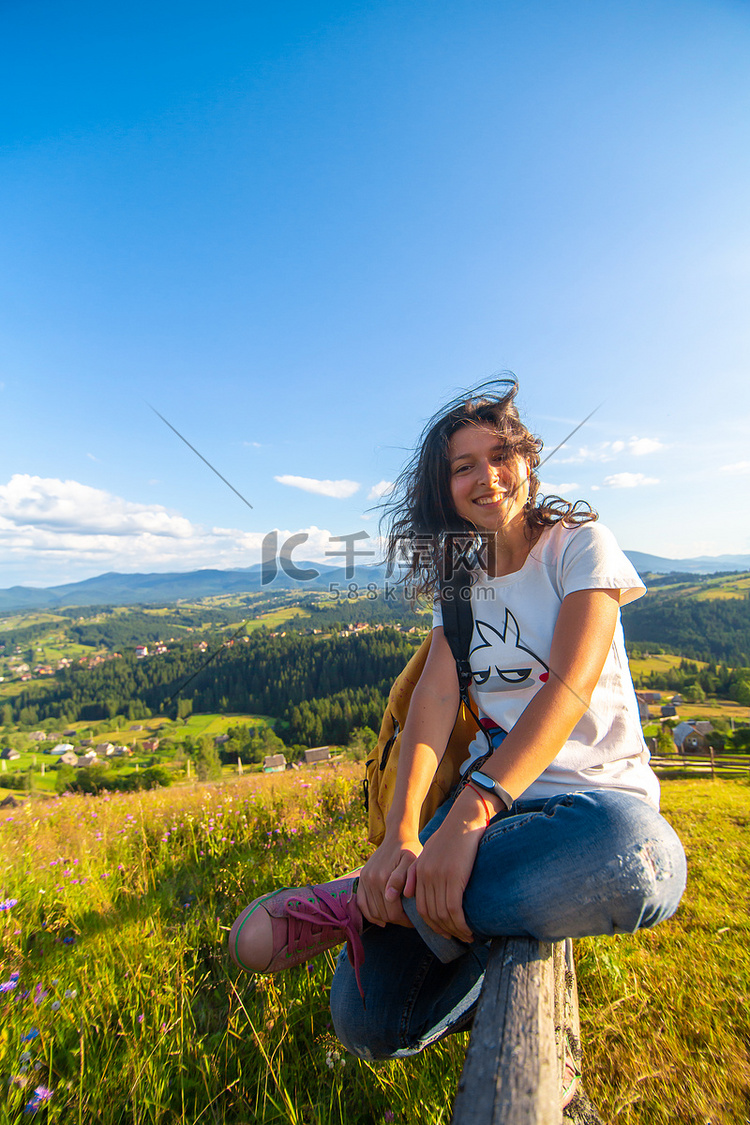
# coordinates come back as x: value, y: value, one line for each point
x: 513, y: 1074
x: 711, y: 761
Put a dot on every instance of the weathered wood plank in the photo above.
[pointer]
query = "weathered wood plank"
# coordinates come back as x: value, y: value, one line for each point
x: 513, y: 1069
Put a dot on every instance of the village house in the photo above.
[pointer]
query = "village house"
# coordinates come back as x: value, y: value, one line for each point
x: 37, y: 736
x: 61, y: 748
x: 104, y: 749
x: 69, y: 759
x: 274, y: 763
x: 692, y: 738
x: 151, y: 744
x: 317, y: 754
x: 9, y: 754
x: 87, y: 759
x: 121, y: 751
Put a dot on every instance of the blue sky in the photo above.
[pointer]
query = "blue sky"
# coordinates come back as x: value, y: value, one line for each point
x: 296, y: 229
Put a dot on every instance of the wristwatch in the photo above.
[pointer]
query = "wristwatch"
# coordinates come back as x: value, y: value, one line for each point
x: 492, y: 786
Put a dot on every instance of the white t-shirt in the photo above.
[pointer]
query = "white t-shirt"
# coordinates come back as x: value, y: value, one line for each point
x: 514, y: 619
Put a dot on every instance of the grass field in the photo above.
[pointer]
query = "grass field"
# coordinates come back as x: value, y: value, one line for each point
x: 277, y: 618
x: 728, y: 588
x: 658, y: 662
x: 118, y: 997
x: 715, y: 709
x: 31, y: 758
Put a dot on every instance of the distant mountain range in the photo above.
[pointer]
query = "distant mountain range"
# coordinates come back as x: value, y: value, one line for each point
x: 704, y: 564
x: 140, y: 589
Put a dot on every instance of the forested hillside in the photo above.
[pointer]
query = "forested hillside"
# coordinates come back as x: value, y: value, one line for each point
x: 318, y: 687
x: 295, y: 666
x: 713, y: 629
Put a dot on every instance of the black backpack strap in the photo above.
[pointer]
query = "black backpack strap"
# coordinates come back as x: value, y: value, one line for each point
x: 458, y: 624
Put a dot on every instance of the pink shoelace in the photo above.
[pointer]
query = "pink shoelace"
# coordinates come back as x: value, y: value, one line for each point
x: 307, y: 919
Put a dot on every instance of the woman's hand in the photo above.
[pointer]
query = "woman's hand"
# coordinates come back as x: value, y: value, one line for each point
x: 438, y: 878
x: 383, y: 878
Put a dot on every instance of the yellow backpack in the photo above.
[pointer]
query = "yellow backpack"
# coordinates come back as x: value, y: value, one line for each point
x: 380, y: 769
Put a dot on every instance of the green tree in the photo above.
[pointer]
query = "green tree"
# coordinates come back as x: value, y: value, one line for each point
x: 64, y: 778
x: 207, y: 764
x: 664, y: 741
x: 742, y: 693
x: 184, y: 708
x: 361, y: 742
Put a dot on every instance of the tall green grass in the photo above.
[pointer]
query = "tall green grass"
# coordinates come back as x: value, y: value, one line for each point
x: 127, y: 1008
x: 664, y: 1012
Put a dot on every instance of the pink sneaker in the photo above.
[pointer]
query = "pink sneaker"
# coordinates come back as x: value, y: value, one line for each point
x: 305, y: 921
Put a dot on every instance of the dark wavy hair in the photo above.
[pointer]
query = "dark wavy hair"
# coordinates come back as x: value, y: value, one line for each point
x: 422, y: 528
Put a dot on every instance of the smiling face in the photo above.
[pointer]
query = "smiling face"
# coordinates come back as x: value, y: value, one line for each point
x: 488, y: 488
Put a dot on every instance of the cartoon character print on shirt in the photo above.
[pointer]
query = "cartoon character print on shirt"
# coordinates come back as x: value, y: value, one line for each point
x: 502, y: 663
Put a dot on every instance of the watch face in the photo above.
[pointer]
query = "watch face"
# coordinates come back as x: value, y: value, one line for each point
x: 483, y: 780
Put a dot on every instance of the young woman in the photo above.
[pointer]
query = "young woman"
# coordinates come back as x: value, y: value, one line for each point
x: 554, y: 830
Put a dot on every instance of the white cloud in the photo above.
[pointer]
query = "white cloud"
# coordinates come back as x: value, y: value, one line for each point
x: 46, y: 503
x: 639, y: 447
x: 609, y: 450
x: 338, y: 489
x: 628, y: 480
x: 585, y: 453
x: 382, y: 488
x: 54, y: 531
x: 548, y: 489
x: 737, y: 467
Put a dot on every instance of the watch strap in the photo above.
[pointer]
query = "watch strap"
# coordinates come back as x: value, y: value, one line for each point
x: 486, y: 782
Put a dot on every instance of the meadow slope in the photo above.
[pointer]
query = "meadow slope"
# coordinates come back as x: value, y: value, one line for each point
x: 119, y: 1003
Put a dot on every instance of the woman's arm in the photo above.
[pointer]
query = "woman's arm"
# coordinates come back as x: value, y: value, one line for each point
x: 581, y: 641
x: 432, y: 714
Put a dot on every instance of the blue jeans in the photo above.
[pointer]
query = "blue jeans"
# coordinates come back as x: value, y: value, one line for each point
x: 573, y: 865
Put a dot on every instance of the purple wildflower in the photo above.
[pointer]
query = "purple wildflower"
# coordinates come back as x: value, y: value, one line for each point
x: 8, y: 904
x: 32, y: 1033
x: 41, y: 1096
